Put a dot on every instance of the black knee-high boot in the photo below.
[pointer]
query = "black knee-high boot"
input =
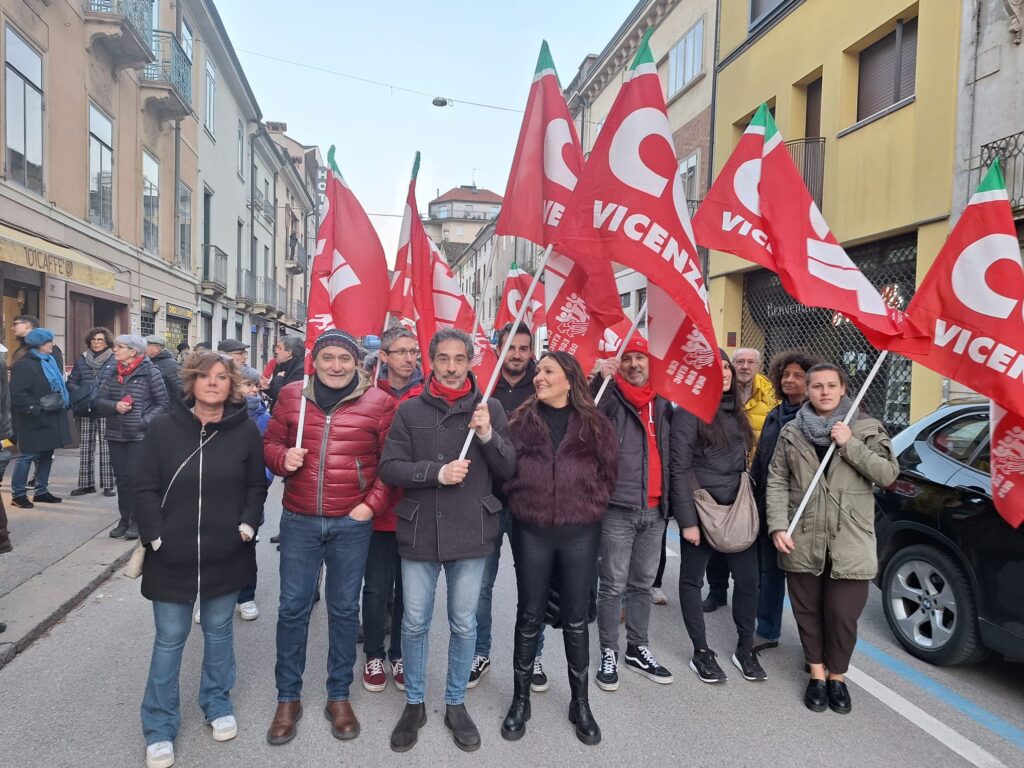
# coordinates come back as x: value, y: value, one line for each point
x: 577, y: 653
x: 514, y: 725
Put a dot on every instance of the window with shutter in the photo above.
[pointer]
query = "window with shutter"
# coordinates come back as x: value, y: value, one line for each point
x: 759, y: 9
x: 887, y: 70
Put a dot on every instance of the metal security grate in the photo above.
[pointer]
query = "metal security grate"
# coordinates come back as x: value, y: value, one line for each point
x: 772, y: 321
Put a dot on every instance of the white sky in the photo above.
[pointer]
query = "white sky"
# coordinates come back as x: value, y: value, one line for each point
x: 476, y: 51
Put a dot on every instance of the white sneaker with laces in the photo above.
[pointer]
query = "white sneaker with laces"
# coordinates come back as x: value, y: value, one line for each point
x: 658, y: 596
x: 248, y: 611
x: 160, y: 755
x: 224, y: 728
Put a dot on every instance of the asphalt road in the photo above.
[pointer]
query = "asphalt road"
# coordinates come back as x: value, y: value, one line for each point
x: 73, y: 699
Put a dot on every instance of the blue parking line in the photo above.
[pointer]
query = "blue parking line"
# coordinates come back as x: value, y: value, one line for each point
x: 979, y: 714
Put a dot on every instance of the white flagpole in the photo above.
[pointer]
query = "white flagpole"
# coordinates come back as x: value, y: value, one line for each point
x: 832, y: 447
x: 376, y: 372
x: 508, y: 342
x: 622, y: 347
x: 302, y: 410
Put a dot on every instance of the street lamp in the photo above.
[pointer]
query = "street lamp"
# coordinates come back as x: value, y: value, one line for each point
x: 441, y: 101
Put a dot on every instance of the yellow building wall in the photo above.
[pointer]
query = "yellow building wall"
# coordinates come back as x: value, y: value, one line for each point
x: 893, y: 174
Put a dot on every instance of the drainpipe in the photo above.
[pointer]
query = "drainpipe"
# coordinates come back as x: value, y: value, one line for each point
x: 706, y: 258
x: 174, y: 198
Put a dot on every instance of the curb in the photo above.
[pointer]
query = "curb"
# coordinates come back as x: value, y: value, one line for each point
x: 11, y: 649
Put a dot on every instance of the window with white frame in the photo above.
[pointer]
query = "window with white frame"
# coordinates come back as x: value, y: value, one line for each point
x: 101, y: 162
x: 150, y: 203
x: 186, y: 38
x: 686, y: 59
x: 184, y: 226
x: 241, y: 149
x: 23, y: 86
x: 689, y: 169
x: 211, y: 98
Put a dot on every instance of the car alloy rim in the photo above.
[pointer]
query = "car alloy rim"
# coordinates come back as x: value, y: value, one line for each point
x: 923, y: 604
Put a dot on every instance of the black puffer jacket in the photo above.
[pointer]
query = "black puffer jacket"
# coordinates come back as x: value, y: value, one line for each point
x: 631, y: 488
x: 717, y: 469
x: 83, y: 374
x: 223, y: 484
x: 171, y: 371
x: 36, y: 429
x: 149, y: 400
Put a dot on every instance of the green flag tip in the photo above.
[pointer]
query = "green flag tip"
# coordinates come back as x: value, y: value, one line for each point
x: 416, y: 165
x: 544, y: 60
x: 331, y: 163
x: 643, y: 51
x: 993, y: 179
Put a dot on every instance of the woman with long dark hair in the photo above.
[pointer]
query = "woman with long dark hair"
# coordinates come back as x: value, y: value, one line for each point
x: 714, y: 457
x: 199, y: 496
x: 567, y: 461
x: 830, y: 557
x: 91, y: 369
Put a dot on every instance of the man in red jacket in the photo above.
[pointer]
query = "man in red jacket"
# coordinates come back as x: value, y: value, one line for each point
x: 400, y: 377
x: 331, y: 494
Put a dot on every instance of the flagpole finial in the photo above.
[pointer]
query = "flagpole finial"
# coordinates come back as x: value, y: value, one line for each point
x: 416, y: 165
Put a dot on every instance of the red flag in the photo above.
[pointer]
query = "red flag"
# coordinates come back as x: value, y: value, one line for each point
x: 680, y: 356
x: 400, y: 294
x: 516, y: 285
x: 1007, y: 458
x: 572, y: 327
x: 349, y: 275
x: 437, y: 298
x: 629, y: 206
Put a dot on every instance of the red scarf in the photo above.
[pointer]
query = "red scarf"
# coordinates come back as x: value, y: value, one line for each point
x: 449, y: 395
x: 642, y: 398
x: 124, y: 371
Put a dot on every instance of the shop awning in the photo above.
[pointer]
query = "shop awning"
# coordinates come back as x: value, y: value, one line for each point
x: 55, y: 260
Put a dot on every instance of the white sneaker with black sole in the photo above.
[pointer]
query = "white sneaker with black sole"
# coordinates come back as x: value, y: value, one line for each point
x: 608, y: 675
x: 640, y: 659
x: 538, y: 681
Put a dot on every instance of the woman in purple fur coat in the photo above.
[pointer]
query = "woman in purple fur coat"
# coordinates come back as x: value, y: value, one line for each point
x: 567, y: 459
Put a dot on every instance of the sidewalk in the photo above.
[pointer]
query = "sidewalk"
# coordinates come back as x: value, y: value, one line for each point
x: 61, y: 553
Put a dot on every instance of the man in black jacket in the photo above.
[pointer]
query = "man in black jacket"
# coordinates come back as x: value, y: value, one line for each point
x: 447, y: 518
x: 156, y: 350
x: 290, y: 353
x: 632, y: 528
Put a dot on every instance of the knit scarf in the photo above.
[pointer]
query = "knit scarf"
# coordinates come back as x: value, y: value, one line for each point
x: 53, y: 374
x: 818, y: 429
x: 97, y: 361
x: 642, y: 398
x: 124, y: 371
x: 449, y: 395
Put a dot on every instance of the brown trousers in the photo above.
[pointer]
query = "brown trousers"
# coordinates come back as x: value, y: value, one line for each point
x: 826, y: 612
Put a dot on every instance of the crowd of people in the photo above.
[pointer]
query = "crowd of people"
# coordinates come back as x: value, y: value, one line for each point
x: 377, y: 503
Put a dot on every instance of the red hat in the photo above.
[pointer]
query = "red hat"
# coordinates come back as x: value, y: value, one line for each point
x: 637, y: 344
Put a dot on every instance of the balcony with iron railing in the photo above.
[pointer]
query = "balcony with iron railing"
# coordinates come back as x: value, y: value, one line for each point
x: 167, y: 81
x: 263, y: 205
x: 281, y: 305
x: 123, y: 29
x: 245, y: 290
x: 809, y: 156
x: 1010, y: 153
x: 296, y: 259
x: 214, y: 281
x: 298, y: 311
x: 266, y: 297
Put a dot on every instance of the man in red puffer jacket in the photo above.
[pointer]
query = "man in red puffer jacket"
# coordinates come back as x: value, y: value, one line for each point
x: 400, y: 376
x: 331, y: 496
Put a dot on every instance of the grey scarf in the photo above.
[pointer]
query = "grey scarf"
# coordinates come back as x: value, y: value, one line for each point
x: 97, y: 361
x: 818, y: 429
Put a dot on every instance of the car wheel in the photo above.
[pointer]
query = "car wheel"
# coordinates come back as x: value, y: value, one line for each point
x: 930, y: 607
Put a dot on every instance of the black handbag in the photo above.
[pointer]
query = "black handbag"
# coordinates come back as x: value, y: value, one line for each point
x: 52, y: 401
x: 83, y: 400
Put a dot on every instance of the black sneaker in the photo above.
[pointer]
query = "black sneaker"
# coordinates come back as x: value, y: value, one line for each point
x: 117, y: 532
x: 640, y: 659
x: 22, y: 501
x: 539, y: 681
x: 132, y: 532
x: 707, y: 669
x: 608, y: 674
x: 83, y: 490
x: 480, y: 665
x: 713, y: 602
x: 46, y: 498
x: 747, y: 663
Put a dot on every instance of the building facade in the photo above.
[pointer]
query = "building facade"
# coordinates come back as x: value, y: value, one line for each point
x: 867, y: 106
x: 455, y: 218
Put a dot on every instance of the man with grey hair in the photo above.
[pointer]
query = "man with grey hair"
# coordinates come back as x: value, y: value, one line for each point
x: 400, y: 374
x: 290, y: 353
x: 447, y: 518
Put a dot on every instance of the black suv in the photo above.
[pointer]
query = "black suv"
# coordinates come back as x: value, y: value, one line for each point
x: 951, y: 570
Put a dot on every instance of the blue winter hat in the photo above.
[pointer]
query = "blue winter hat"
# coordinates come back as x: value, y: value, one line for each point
x: 38, y: 336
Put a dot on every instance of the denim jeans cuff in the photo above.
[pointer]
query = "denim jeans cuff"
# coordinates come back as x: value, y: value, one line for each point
x: 286, y: 698
x: 413, y: 703
x: 210, y: 718
x: 336, y: 698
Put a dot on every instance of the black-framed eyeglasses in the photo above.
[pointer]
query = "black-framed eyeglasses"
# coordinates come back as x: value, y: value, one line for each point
x: 403, y: 352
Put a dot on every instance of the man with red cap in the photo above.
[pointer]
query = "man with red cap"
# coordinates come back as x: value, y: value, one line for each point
x: 632, y: 527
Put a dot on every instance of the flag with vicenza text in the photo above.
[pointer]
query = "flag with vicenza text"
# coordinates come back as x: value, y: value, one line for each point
x: 629, y: 207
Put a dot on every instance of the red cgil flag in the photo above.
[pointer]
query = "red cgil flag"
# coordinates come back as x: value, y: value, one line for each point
x: 516, y: 285
x: 629, y: 206
x: 1007, y: 460
x: 545, y: 170
x: 348, y: 286
x: 437, y: 298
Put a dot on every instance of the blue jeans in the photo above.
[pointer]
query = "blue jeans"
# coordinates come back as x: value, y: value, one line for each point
x: 22, y: 465
x: 307, y: 541
x: 161, y: 707
x: 419, y: 583
x: 483, y: 611
x: 773, y: 592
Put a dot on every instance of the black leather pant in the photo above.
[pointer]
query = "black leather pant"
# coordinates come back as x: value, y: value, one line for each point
x: 562, y: 559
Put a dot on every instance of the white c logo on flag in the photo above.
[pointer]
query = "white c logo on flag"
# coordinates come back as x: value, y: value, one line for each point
x: 556, y: 137
x: 624, y: 153
x: 971, y: 267
x: 745, y: 185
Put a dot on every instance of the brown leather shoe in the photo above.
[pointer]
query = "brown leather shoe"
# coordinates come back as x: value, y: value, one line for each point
x: 343, y: 720
x: 282, y: 727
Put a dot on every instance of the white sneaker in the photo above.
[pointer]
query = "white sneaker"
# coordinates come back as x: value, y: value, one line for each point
x: 195, y: 616
x: 658, y: 596
x: 160, y: 755
x: 248, y: 611
x: 224, y: 728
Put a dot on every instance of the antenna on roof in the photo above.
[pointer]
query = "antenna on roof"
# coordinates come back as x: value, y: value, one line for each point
x: 475, y: 169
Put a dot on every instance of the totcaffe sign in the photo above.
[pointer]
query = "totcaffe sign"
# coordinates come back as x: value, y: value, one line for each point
x: 57, y: 261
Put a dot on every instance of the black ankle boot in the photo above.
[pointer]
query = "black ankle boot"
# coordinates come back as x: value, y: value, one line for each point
x: 577, y: 654
x: 524, y: 649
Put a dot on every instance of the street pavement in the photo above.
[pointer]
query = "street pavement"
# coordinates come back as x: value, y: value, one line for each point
x: 72, y: 697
